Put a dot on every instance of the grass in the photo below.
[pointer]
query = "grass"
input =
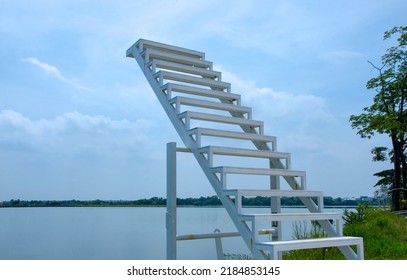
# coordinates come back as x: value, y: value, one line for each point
x: 384, y: 236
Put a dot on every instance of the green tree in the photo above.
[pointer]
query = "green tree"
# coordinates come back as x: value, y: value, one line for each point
x: 388, y: 114
x: 384, y: 184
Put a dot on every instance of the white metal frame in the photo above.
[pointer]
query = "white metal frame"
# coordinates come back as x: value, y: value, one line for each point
x: 169, y: 70
x: 171, y: 214
x: 276, y: 247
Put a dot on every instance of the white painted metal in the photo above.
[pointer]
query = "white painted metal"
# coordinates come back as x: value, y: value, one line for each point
x: 181, y: 61
x: 169, y: 88
x: 219, y: 247
x: 178, y: 101
x: 280, y: 193
x: 190, y: 143
x: 188, y: 115
x: 162, y: 64
x: 171, y: 215
x: 207, y: 235
x: 210, y: 151
x: 293, y: 217
x: 224, y: 170
x: 147, y: 44
x: 150, y: 54
x: 277, y: 246
x: 162, y: 76
x: 256, y: 219
x: 238, y: 194
x: 259, y: 138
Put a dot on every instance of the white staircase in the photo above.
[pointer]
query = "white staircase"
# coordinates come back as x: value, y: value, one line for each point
x: 183, y: 78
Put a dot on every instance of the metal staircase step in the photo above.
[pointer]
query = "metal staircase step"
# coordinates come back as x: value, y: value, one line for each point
x: 224, y: 170
x: 238, y: 194
x: 257, y: 221
x: 165, y: 75
x: 226, y: 151
x: 188, y: 115
x: 257, y: 171
x: 142, y: 44
x: 272, y: 193
x: 217, y: 150
x: 274, y: 247
x: 162, y: 64
x: 199, y: 132
x: 178, y: 100
x: 292, y: 216
x: 171, y: 87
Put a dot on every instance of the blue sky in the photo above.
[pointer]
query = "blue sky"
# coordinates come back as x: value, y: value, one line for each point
x: 78, y: 120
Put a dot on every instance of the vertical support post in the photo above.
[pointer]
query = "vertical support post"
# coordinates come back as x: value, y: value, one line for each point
x: 275, y: 205
x: 360, y: 250
x: 171, y: 215
x: 218, y: 244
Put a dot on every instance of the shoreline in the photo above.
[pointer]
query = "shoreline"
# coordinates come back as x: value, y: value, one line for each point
x: 163, y: 206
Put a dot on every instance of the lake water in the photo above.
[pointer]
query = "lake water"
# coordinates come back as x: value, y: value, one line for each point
x: 117, y: 233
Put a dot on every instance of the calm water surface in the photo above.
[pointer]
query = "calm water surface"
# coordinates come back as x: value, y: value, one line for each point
x: 113, y: 233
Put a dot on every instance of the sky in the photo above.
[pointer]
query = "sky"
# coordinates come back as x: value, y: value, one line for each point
x: 78, y: 119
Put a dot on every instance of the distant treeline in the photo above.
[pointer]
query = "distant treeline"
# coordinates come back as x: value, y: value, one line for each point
x: 159, y: 201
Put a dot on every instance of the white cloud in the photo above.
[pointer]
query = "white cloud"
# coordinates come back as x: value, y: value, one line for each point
x: 53, y: 71
x: 301, y: 122
x: 303, y: 109
x: 73, y: 133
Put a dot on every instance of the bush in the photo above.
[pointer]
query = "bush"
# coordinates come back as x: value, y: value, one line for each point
x: 359, y: 216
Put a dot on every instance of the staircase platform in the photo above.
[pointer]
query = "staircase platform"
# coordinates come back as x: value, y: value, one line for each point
x: 274, y: 247
x: 224, y: 170
x: 142, y: 44
x: 150, y: 54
